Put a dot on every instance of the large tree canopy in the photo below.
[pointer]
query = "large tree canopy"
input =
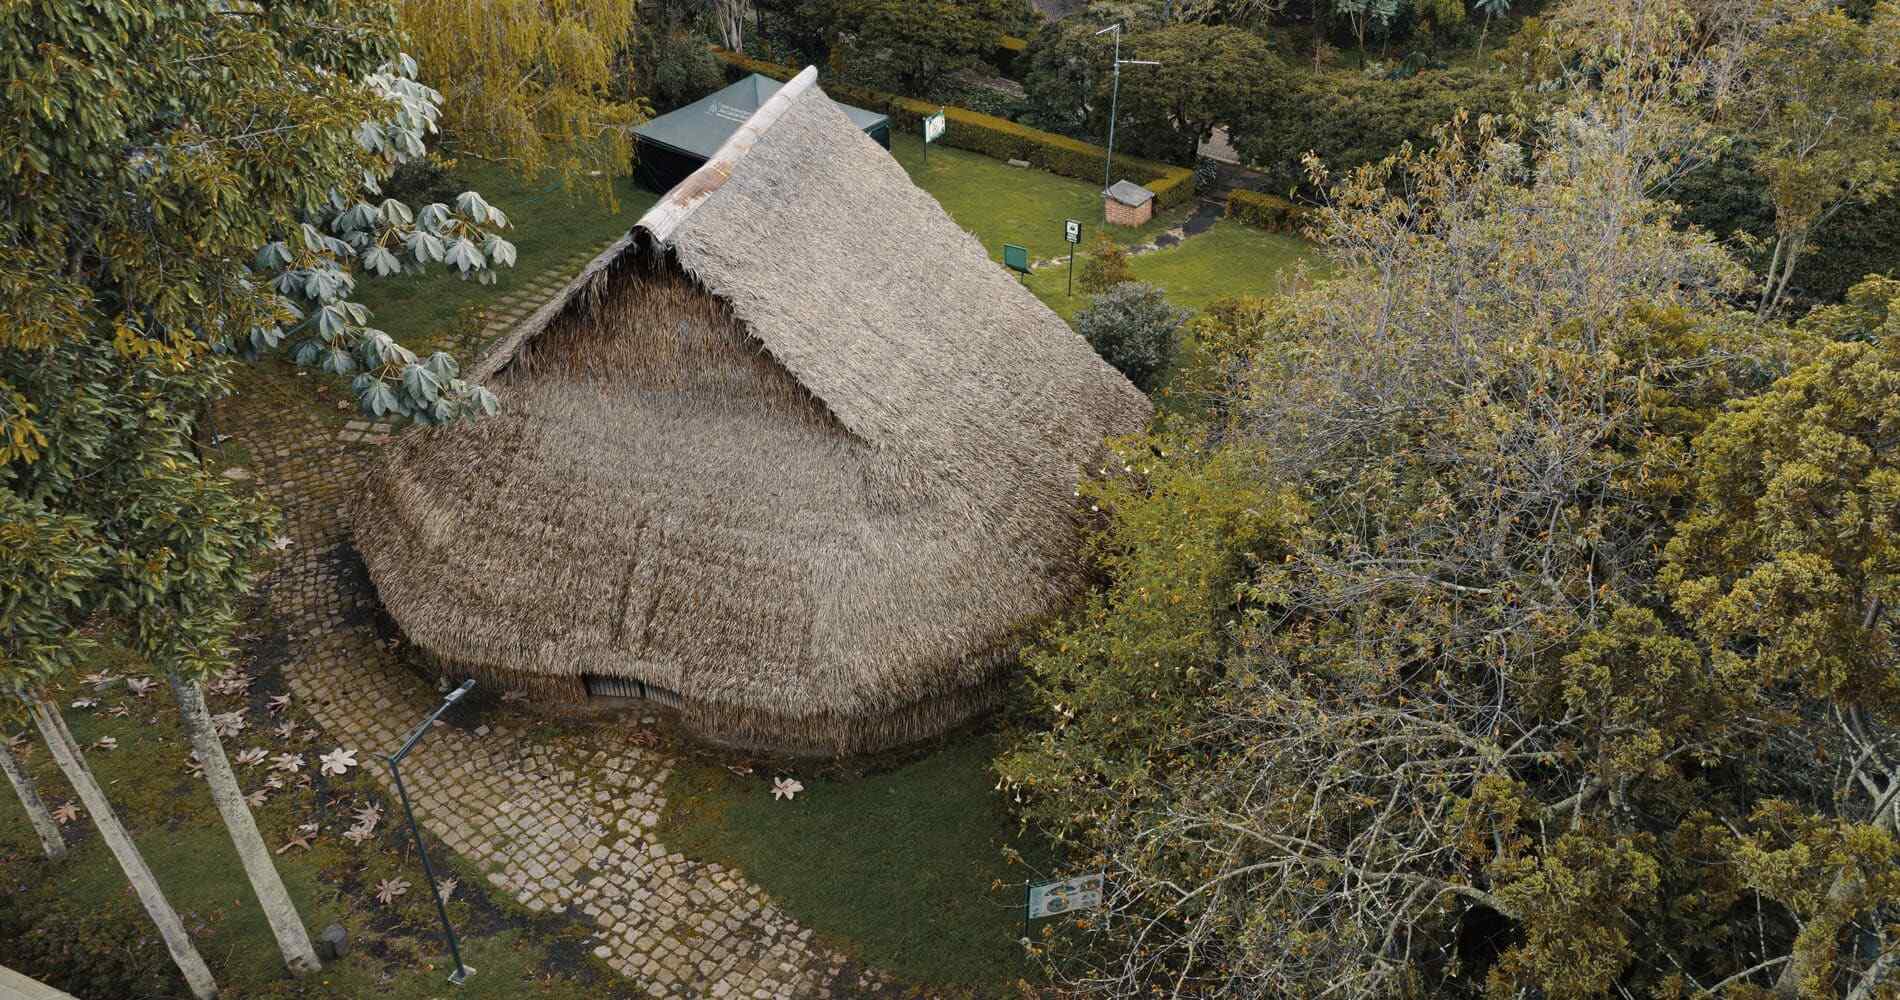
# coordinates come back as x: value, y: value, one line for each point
x: 531, y: 82
x: 182, y: 183
x: 1827, y: 119
x: 1508, y: 616
x: 913, y: 47
x: 1209, y: 75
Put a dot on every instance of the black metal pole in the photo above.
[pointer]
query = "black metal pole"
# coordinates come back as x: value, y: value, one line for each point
x: 1026, y: 910
x: 1071, y: 289
x: 462, y: 972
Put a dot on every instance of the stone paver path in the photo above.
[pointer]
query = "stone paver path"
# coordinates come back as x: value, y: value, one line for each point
x: 562, y: 823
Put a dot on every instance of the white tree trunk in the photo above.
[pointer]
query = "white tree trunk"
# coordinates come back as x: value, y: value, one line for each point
x: 43, y: 824
x: 67, y: 754
x: 292, y: 937
x: 732, y: 23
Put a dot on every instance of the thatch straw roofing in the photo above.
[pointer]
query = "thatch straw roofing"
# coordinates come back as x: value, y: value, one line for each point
x: 795, y: 449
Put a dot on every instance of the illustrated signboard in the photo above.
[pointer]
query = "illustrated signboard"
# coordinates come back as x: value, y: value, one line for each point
x: 1049, y: 899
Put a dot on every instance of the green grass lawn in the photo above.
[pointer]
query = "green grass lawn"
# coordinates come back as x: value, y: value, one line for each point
x: 898, y: 868
x: 549, y: 225
x: 1001, y: 204
x: 1229, y: 259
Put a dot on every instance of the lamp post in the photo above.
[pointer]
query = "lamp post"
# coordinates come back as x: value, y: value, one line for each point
x: 462, y: 972
x: 1114, y: 99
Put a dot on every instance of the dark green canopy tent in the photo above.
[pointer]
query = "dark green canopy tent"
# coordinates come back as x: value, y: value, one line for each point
x: 676, y: 143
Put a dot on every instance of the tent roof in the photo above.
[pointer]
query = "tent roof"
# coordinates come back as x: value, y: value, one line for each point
x: 700, y: 127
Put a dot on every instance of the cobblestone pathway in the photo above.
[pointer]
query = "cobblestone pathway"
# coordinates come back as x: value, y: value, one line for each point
x: 561, y: 823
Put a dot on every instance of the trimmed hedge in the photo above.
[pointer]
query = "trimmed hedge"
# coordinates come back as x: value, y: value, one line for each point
x: 1270, y: 212
x: 998, y: 137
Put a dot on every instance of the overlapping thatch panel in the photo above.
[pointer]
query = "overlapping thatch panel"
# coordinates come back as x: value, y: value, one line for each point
x: 764, y: 454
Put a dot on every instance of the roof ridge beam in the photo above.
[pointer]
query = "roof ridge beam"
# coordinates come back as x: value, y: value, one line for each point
x: 663, y: 218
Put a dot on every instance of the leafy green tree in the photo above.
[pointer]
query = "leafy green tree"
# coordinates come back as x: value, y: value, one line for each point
x: 1210, y: 75
x: 1064, y: 64
x: 676, y: 67
x: 1455, y: 726
x: 1132, y: 326
x: 1350, y: 120
x: 911, y: 47
x: 1490, y: 9
x: 187, y: 183
x: 1363, y: 14
x: 1788, y: 567
x: 530, y: 82
x: 1827, y: 95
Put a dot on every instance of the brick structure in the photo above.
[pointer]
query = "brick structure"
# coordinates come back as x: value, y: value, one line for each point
x: 1126, y: 203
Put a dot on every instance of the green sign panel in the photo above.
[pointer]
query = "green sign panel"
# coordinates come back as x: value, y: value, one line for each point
x: 1016, y: 258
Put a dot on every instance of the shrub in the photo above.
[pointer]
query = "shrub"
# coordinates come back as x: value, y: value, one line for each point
x: 684, y: 70
x: 1132, y: 327
x: 1269, y: 212
x: 998, y: 137
x: 426, y: 181
x: 1206, y: 172
x: 1106, y: 265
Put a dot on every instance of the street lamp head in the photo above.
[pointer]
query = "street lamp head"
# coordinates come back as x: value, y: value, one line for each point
x: 1138, y: 62
x: 464, y: 688
x: 1117, y: 26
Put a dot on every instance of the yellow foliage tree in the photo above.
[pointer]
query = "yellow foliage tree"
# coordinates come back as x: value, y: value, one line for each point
x: 531, y: 82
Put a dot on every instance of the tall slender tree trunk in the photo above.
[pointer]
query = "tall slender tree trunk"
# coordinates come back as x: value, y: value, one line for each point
x: 1768, y: 286
x: 732, y: 24
x: 66, y: 752
x: 43, y: 824
x: 292, y: 937
x: 1780, y: 271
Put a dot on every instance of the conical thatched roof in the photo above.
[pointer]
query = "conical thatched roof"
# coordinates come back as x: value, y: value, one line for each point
x: 794, y: 455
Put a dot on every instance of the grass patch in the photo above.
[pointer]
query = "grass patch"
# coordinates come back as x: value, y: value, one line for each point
x: 1001, y: 204
x: 897, y: 868
x: 1229, y: 259
x: 549, y: 225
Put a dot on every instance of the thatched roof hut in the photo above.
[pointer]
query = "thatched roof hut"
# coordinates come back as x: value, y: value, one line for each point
x: 793, y: 456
